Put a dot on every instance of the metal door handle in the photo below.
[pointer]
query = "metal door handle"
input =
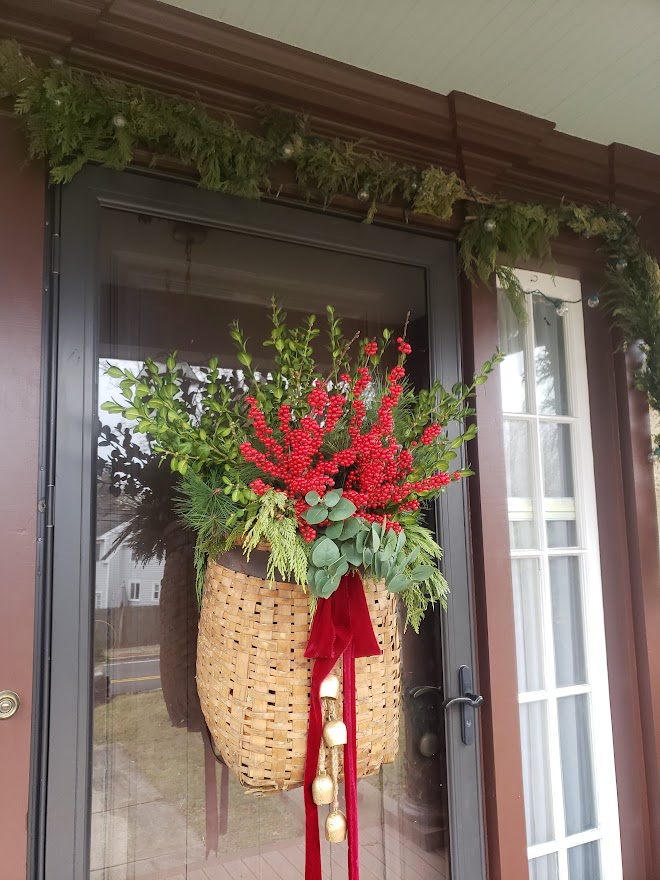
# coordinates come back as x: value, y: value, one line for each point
x: 468, y: 701
x: 474, y: 700
x: 9, y: 703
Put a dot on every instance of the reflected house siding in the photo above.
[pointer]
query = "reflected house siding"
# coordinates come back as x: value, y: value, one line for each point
x: 117, y: 569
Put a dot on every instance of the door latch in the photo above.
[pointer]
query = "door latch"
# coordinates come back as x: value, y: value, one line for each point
x: 468, y: 701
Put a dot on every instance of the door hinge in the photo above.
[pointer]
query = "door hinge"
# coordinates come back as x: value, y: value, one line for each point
x: 55, y: 254
x: 45, y: 506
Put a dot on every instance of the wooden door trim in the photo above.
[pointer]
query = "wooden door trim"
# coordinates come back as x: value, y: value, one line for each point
x: 21, y: 249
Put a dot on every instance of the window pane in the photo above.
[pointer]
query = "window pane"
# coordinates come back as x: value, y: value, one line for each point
x: 544, y: 868
x: 549, y: 359
x: 517, y: 450
x: 558, y: 491
x: 567, y: 621
x: 513, y: 368
x: 155, y: 780
x: 536, y: 772
x: 584, y: 862
x: 576, y: 763
x: 529, y: 629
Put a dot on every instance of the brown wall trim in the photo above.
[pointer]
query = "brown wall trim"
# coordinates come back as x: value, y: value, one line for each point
x: 496, y: 650
x: 644, y: 573
x: 233, y: 70
x: 21, y: 258
x: 639, y: 859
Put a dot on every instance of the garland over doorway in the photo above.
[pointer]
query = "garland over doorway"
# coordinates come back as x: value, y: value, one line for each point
x: 73, y: 117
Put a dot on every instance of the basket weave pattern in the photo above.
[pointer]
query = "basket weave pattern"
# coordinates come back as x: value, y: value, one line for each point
x: 253, y: 678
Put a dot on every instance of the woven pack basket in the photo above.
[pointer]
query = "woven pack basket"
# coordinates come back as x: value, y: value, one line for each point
x: 254, y: 680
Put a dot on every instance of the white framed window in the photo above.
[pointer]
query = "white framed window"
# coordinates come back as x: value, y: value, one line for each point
x: 134, y: 591
x: 569, y: 778
x: 97, y: 599
x: 156, y: 591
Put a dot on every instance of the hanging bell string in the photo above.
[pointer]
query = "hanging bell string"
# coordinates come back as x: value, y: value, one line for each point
x: 334, y: 773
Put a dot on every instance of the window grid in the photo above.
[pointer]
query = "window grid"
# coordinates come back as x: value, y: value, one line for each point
x: 602, y: 759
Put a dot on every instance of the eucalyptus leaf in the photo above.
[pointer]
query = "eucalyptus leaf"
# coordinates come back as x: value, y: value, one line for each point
x: 421, y: 573
x: 353, y: 555
x: 331, y: 498
x: 397, y: 583
x: 325, y: 553
x: 315, y: 515
x: 351, y: 527
x: 330, y: 587
x: 312, y: 498
x: 334, y: 531
x: 342, y: 510
x: 413, y: 556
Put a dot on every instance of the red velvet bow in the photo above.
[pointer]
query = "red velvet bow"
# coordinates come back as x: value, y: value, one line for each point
x: 342, y: 625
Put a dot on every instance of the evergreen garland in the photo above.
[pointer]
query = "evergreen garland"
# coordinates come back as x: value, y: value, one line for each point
x: 73, y: 117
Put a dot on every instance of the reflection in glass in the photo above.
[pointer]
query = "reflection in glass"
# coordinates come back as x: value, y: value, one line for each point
x: 567, y: 621
x: 536, y: 772
x: 549, y: 359
x: 529, y: 629
x: 513, y: 368
x: 558, y: 491
x: 576, y: 763
x: 584, y: 862
x: 544, y: 868
x: 162, y: 805
x: 519, y: 485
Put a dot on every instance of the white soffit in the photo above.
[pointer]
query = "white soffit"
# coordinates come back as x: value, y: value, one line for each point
x: 590, y: 66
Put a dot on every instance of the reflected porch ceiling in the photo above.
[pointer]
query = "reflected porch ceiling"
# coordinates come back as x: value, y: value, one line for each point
x: 590, y: 66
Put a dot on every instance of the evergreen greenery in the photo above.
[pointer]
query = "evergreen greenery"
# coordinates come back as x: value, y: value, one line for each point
x: 73, y: 117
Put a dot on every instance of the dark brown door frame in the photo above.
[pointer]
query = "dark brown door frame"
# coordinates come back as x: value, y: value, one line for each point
x: 21, y: 296
x: 69, y: 729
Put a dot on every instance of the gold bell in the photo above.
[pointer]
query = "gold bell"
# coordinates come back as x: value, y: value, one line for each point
x: 330, y: 687
x: 334, y: 733
x: 335, y: 827
x: 323, y: 790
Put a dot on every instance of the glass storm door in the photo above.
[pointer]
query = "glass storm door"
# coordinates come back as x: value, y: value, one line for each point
x: 133, y: 789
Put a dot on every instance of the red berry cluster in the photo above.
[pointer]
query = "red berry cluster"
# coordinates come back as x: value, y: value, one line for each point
x: 429, y: 434
x: 376, y: 471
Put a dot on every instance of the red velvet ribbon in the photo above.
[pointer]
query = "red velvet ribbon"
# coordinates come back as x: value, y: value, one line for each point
x: 342, y: 626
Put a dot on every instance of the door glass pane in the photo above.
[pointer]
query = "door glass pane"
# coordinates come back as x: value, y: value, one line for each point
x: 160, y: 799
x: 519, y: 483
x: 567, y: 622
x: 576, y: 763
x: 528, y: 622
x: 558, y: 491
x: 536, y: 772
x: 549, y: 359
x: 513, y: 370
x: 544, y: 868
x: 584, y: 862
